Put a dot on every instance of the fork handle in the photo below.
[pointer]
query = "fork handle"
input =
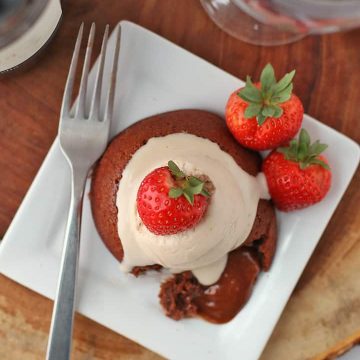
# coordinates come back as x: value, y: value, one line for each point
x: 59, y: 344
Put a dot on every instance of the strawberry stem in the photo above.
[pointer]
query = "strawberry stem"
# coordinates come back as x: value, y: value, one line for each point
x: 264, y: 101
x: 303, y: 152
x: 189, y: 185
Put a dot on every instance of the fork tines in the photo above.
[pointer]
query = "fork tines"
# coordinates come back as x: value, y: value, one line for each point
x: 80, y: 111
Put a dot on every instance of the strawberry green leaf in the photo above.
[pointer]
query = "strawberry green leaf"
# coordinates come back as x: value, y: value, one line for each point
x: 304, y: 143
x: 193, y: 181
x: 267, y: 77
x: 250, y: 96
x: 284, y: 82
x: 189, y: 196
x: 250, y: 93
x: 294, y: 147
x: 278, y: 111
x: 313, y: 147
x: 321, y: 163
x: 304, y: 137
x: 317, y: 148
x: 261, y: 119
x: 196, y: 189
x: 268, y: 111
x: 245, y: 98
x: 174, y: 193
x: 303, y: 152
x: 290, y: 152
x: 175, y: 171
x: 205, y: 193
x: 252, y: 110
x: 264, y: 100
x: 282, y: 96
x: 251, y: 85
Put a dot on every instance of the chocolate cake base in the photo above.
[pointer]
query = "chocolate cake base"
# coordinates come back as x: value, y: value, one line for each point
x: 259, y: 248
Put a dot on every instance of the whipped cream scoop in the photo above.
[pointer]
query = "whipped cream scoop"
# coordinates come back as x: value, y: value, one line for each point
x: 224, y: 227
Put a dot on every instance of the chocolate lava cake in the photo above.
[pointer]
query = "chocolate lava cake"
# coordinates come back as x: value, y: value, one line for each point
x: 182, y: 295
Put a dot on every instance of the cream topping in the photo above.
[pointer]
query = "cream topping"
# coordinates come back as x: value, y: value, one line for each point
x: 225, y: 226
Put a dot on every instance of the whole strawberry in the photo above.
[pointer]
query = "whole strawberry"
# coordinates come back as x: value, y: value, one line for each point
x: 297, y: 175
x: 266, y: 115
x: 169, y: 202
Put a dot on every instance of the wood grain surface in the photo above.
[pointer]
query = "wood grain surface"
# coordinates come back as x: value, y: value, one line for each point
x: 322, y: 317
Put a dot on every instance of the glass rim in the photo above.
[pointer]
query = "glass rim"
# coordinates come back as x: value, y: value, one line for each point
x: 331, y: 2
x: 24, y: 16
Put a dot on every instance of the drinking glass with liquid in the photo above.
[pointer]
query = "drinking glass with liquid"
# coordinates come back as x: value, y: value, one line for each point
x: 17, y: 16
x: 25, y: 28
x: 276, y: 22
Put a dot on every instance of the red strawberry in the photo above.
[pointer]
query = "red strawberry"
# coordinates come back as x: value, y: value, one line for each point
x: 169, y: 202
x: 297, y: 175
x: 265, y: 115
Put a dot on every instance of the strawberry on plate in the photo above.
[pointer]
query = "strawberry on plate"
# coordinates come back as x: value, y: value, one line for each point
x: 169, y: 202
x: 265, y: 115
x: 297, y: 175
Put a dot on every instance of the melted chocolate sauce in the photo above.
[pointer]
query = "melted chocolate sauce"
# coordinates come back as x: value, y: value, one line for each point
x: 220, y: 302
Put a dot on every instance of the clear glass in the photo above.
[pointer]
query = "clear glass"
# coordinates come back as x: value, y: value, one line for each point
x: 17, y: 16
x: 276, y: 22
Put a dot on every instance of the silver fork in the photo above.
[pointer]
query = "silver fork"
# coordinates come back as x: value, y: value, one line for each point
x: 83, y: 138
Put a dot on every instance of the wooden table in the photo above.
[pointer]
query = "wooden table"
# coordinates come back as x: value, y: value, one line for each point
x: 323, y: 314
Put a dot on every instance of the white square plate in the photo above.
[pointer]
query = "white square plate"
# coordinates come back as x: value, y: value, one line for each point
x: 156, y: 76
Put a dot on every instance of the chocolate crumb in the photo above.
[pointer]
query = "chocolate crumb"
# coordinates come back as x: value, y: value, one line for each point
x: 177, y: 294
x: 140, y: 270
